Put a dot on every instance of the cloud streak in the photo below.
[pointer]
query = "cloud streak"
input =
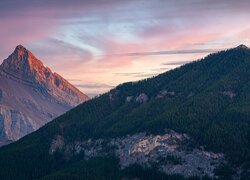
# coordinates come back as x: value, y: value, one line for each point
x: 171, y: 52
x: 175, y: 63
x: 137, y: 74
x: 93, y: 86
x: 106, y: 42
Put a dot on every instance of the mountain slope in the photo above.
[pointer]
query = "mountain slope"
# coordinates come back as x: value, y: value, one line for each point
x: 31, y: 95
x: 206, y: 102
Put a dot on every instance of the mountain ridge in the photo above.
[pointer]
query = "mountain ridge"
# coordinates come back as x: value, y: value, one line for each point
x: 200, y: 109
x: 23, y: 65
x: 31, y: 95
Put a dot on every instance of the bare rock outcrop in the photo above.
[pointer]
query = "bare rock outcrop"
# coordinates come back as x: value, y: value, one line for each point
x: 165, y: 93
x: 142, y: 98
x: 171, y: 153
x: 229, y: 94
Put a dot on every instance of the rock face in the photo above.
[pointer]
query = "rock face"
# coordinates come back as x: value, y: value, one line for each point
x: 171, y: 152
x: 142, y: 98
x: 31, y: 95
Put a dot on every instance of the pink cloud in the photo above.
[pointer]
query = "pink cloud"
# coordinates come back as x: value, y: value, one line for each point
x: 23, y: 31
x: 70, y: 36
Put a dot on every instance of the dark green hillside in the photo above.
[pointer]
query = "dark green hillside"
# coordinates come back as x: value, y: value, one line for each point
x: 107, y: 168
x: 208, y: 99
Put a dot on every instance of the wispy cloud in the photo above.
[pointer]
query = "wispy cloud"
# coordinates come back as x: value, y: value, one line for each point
x: 128, y: 73
x: 136, y: 74
x: 171, y: 52
x: 107, y: 42
x: 93, y: 86
x: 176, y: 63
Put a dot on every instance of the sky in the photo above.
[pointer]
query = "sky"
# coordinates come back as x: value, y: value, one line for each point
x: 98, y: 44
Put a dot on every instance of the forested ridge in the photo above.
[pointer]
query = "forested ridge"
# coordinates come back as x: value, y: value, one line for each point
x: 208, y: 99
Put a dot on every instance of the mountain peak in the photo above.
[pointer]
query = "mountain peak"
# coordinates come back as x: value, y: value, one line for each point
x: 21, y: 62
x: 24, y: 66
x: 20, y: 47
x: 242, y: 46
x: 31, y: 95
x: 21, y: 51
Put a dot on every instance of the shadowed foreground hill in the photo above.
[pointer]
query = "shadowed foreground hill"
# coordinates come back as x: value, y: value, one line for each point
x: 209, y: 100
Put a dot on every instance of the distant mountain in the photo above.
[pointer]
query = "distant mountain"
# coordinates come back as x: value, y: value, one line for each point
x: 190, y: 122
x: 31, y: 95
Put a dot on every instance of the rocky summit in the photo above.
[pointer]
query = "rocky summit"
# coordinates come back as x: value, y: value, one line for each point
x: 31, y: 95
